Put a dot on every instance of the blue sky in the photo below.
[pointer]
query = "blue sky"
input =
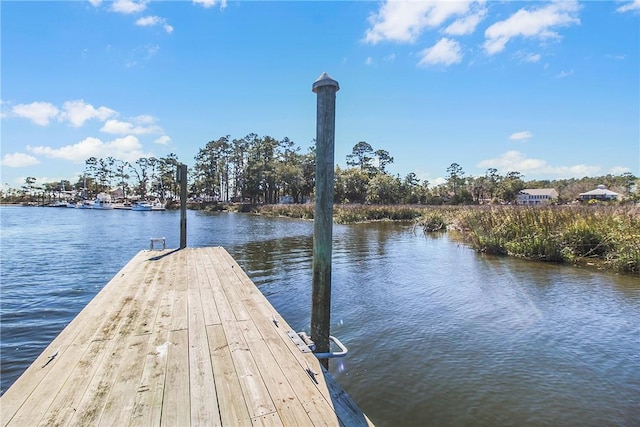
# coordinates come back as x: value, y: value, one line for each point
x: 548, y: 89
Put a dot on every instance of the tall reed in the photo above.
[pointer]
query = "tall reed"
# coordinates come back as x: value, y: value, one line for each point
x: 609, y: 236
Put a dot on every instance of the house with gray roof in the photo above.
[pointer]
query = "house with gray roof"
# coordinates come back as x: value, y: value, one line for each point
x: 600, y: 193
x: 536, y: 196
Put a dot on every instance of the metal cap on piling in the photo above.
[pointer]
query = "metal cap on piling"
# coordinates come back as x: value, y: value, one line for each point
x: 324, y: 80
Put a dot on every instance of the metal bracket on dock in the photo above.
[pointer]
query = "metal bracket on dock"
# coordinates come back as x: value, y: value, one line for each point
x: 297, y: 340
x: 306, y: 345
x: 343, y: 350
x: 158, y: 240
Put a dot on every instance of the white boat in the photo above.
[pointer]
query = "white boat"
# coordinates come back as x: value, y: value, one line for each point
x: 86, y: 204
x: 141, y: 206
x: 102, y: 204
x: 103, y: 201
x: 158, y: 206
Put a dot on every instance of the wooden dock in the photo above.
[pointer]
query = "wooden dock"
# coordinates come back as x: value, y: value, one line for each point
x: 178, y: 338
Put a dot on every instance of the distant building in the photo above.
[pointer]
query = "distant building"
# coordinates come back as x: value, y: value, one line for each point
x: 117, y: 194
x: 600, y: 193
x: 536, y: 196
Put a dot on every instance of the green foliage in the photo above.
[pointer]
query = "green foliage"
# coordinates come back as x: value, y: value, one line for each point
x: 301, y: 211
x: 608, y: 236
x: 347, y: 214
x: 432, y: 221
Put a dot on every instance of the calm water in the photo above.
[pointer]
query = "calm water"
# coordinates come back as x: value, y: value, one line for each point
x: 437, y: 334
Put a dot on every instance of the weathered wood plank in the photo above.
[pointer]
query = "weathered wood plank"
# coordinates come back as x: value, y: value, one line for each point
x: 120, y: 403
x: 233, y: 408
x: 156, y: 318
x: 211, y: 315
x: 228, y: 286
x: 180, y: 318
x: 255, y: 392
x: 290, y: 408
x: 176, y: 404
x: 148, y: 406
x: 121, y: 344
x: 204, y: 405
x: 150, y: 301
x: 267, y: 420
x: 71, y: 344
x: 223, y: 306
x: 63, y: 407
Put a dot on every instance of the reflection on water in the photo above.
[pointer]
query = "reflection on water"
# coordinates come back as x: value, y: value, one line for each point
x: 437, y: 334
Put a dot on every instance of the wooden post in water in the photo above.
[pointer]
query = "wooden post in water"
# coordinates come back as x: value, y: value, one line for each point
x: 182, y: 179
x: 325, y: 87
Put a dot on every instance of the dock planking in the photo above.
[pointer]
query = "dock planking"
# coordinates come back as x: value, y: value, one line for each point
x: 178, y: 338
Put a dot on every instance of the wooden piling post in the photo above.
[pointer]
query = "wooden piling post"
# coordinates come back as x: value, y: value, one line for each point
x: 182, y: 179
x: 325, y: 88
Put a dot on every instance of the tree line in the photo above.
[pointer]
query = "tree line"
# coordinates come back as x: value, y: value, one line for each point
x: 266, y: 170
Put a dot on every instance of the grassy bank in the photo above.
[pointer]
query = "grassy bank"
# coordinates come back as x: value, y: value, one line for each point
x: 347, y: 214
x: 604, y: 236
x: 608, y: 237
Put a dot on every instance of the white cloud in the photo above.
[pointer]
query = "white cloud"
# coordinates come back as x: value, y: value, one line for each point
x: 633, y: 6
x: 445, y: 52
x: 39, y: 113
x: 438, y: 181
x: 163, y: 140
x: 466, y: 24
x: 516, y: 161
x: 152, y: 20
x: 404, y: 21
x: 390, y: 58
x: 129, y: 6
x: 210, y: 3
x: 95, y: 3
x: 531, y: 57
x: 619, y: 170
x: 149, y: 21
x: 144, y: 119
x: 77, y: 112
x: 142, y: 125
x: 564, y: 74
x: 533, y: 23
x: 519, y: 136
x: 18, y: 160
x: 369, y: 61
x: 127, y: 148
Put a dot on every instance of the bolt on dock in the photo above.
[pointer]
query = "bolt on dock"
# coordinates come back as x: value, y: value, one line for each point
x: 178, y: 338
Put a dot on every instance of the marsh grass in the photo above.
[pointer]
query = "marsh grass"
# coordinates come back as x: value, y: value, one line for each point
x: 346, y: 214
x: 291, y: 211
x: 606, y: 236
